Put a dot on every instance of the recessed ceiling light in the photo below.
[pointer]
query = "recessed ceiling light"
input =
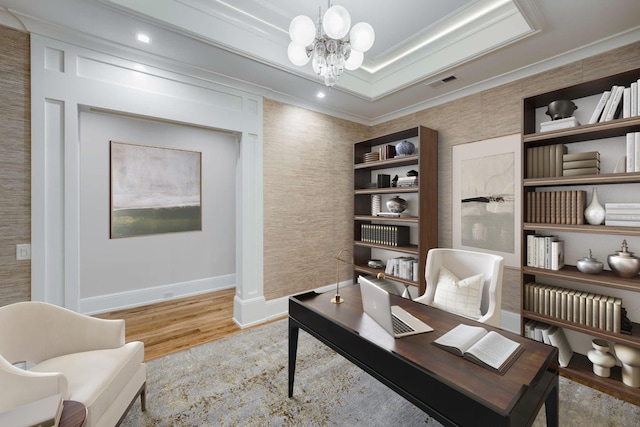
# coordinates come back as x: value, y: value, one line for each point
x: 143, y: 38
x: 320, y: 95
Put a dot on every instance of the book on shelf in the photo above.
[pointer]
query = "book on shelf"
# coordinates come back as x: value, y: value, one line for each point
x: 597, y: 112
x: 558, y: 339
x: 575, y: 164
x: 587, y: 155
x: 621, y: 223
x: 485, y: 348
x: 565, y: 123
x: 634, y: 99
x: 631, y: 152
x: 614, y: 105
x: 581, y: 171
x: 626, y: 103
x: 623, y: 216
x: 622, y: 206
x: 42, y: 413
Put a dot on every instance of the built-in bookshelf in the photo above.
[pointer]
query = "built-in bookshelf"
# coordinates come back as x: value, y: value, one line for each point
x: 546, y: 191
x: 376, y: 237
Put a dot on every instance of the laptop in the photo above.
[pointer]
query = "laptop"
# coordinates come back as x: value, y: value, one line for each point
x: 376, y: 303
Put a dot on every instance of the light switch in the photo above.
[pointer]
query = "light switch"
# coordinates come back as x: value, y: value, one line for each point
x: 23, y: 251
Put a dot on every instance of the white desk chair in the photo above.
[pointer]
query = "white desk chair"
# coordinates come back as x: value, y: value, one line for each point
x: 458, y: 295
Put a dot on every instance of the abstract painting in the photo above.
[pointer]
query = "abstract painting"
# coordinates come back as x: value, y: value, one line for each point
x: 487, y: 197
x: 154, y: 190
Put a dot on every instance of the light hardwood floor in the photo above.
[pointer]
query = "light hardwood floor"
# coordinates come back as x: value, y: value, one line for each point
x: 172, y: 326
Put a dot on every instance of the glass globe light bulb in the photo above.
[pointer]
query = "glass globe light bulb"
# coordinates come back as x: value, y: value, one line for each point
x: 336, y: 22
x: 362, y: 37
x: 302, y: 30
x: 355, y: 60
x: 297, y: 54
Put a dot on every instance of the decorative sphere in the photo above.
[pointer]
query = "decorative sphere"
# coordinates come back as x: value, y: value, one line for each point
x: 297, y: 54
x: 302, y: 30
x: 336, y: 22
x: 362, y: 36
x: 397, y: 205
x: 405, y: 148
x: 355, y: 60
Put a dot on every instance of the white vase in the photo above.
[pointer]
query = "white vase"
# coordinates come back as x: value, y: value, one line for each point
x: 594, y: 213
x: 602, y: 360
x: 630, y: 358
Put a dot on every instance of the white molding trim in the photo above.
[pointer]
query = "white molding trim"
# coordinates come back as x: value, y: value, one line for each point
x: 140, y: 297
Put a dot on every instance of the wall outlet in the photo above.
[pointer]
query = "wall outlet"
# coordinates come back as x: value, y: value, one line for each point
x: 23, y: 251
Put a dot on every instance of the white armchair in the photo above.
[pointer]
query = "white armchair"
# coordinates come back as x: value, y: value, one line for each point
x: 81, y: 357
x: 463, y: 264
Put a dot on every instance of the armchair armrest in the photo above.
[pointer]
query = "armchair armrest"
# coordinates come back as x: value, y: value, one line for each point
x: 20, y: 387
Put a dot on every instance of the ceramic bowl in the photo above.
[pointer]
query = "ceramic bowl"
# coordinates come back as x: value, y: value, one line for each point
x: 561, y: 109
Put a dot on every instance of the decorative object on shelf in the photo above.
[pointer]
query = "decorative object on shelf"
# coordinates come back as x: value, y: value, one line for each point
x: 375, y: 204
x: 621, y: 165
x: 624, y: 263
x: 327, y: 44
x: 412, y: 172
x: 625, y: 323
x: 561, y: 109
x: 396, y: 204
x: 337, y: 299
x: 375, y: 263
x: 630, y: 358
x: 394, y: 181
x: 589, y: 265
x: 594, y: 213
x: 602, y: 360
x: 405, y: 148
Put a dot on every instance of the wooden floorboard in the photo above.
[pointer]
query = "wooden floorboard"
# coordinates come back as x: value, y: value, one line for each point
x: 171, y: 326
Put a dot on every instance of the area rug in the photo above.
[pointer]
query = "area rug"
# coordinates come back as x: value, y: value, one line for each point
x: 242, y: 380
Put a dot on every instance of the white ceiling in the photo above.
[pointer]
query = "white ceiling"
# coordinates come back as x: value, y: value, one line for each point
x: 418, y: 43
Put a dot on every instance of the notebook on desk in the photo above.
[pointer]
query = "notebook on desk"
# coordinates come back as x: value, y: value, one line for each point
x: 376, y: 303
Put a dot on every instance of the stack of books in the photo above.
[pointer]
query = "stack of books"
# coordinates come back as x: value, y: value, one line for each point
x: 587, y: 163
x: 586, y: 308
x: 545, y: 252
x: 622, y: 214
x: 407, y: 181
x: 569, y: 122
x: 373, y: 156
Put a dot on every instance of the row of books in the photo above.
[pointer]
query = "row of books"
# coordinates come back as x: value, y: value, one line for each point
x: 586, y: 308
x: 390, y: 235
x: 619, y: 102
x: 545, y: 161
x: 551, y: 335
x: 404, y: 267
x: 622, y: 214
x: 556, y: 207
x: 545, y: 252
x: 386, y: 151
x: 633, y: 152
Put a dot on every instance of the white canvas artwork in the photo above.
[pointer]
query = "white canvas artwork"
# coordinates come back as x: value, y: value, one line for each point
x: 487, y: 197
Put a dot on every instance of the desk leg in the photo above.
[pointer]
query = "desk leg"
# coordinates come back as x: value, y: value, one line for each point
x: 551, y: 406
x: 293, y: 350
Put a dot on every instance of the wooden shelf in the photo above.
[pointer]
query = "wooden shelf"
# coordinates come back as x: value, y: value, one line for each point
x: 411, y: 249
x: 583, y: 228
x: 374, y: 272
x: 408, y: 219
x: 601, y: 179
x: 632, y: 340
x: 389, y: 163
x: 423, y: 199
x: 569, y: 272
x: 580, y: 369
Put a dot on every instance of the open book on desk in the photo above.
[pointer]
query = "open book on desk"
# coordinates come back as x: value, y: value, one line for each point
x: 475, y: 343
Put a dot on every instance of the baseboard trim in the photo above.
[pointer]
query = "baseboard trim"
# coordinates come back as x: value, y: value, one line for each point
x: 130, y: 299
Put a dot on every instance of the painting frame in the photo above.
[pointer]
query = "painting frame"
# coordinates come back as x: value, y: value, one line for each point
x: 487, y: 197
x: 153, y: 190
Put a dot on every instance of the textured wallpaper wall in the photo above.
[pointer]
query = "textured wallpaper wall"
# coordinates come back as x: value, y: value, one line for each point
x: 15, y: 165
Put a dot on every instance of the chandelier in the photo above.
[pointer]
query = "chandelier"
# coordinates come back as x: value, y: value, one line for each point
x: 326, y: 45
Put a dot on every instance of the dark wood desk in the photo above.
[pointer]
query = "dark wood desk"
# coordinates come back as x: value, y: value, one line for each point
x: 449, y: 388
